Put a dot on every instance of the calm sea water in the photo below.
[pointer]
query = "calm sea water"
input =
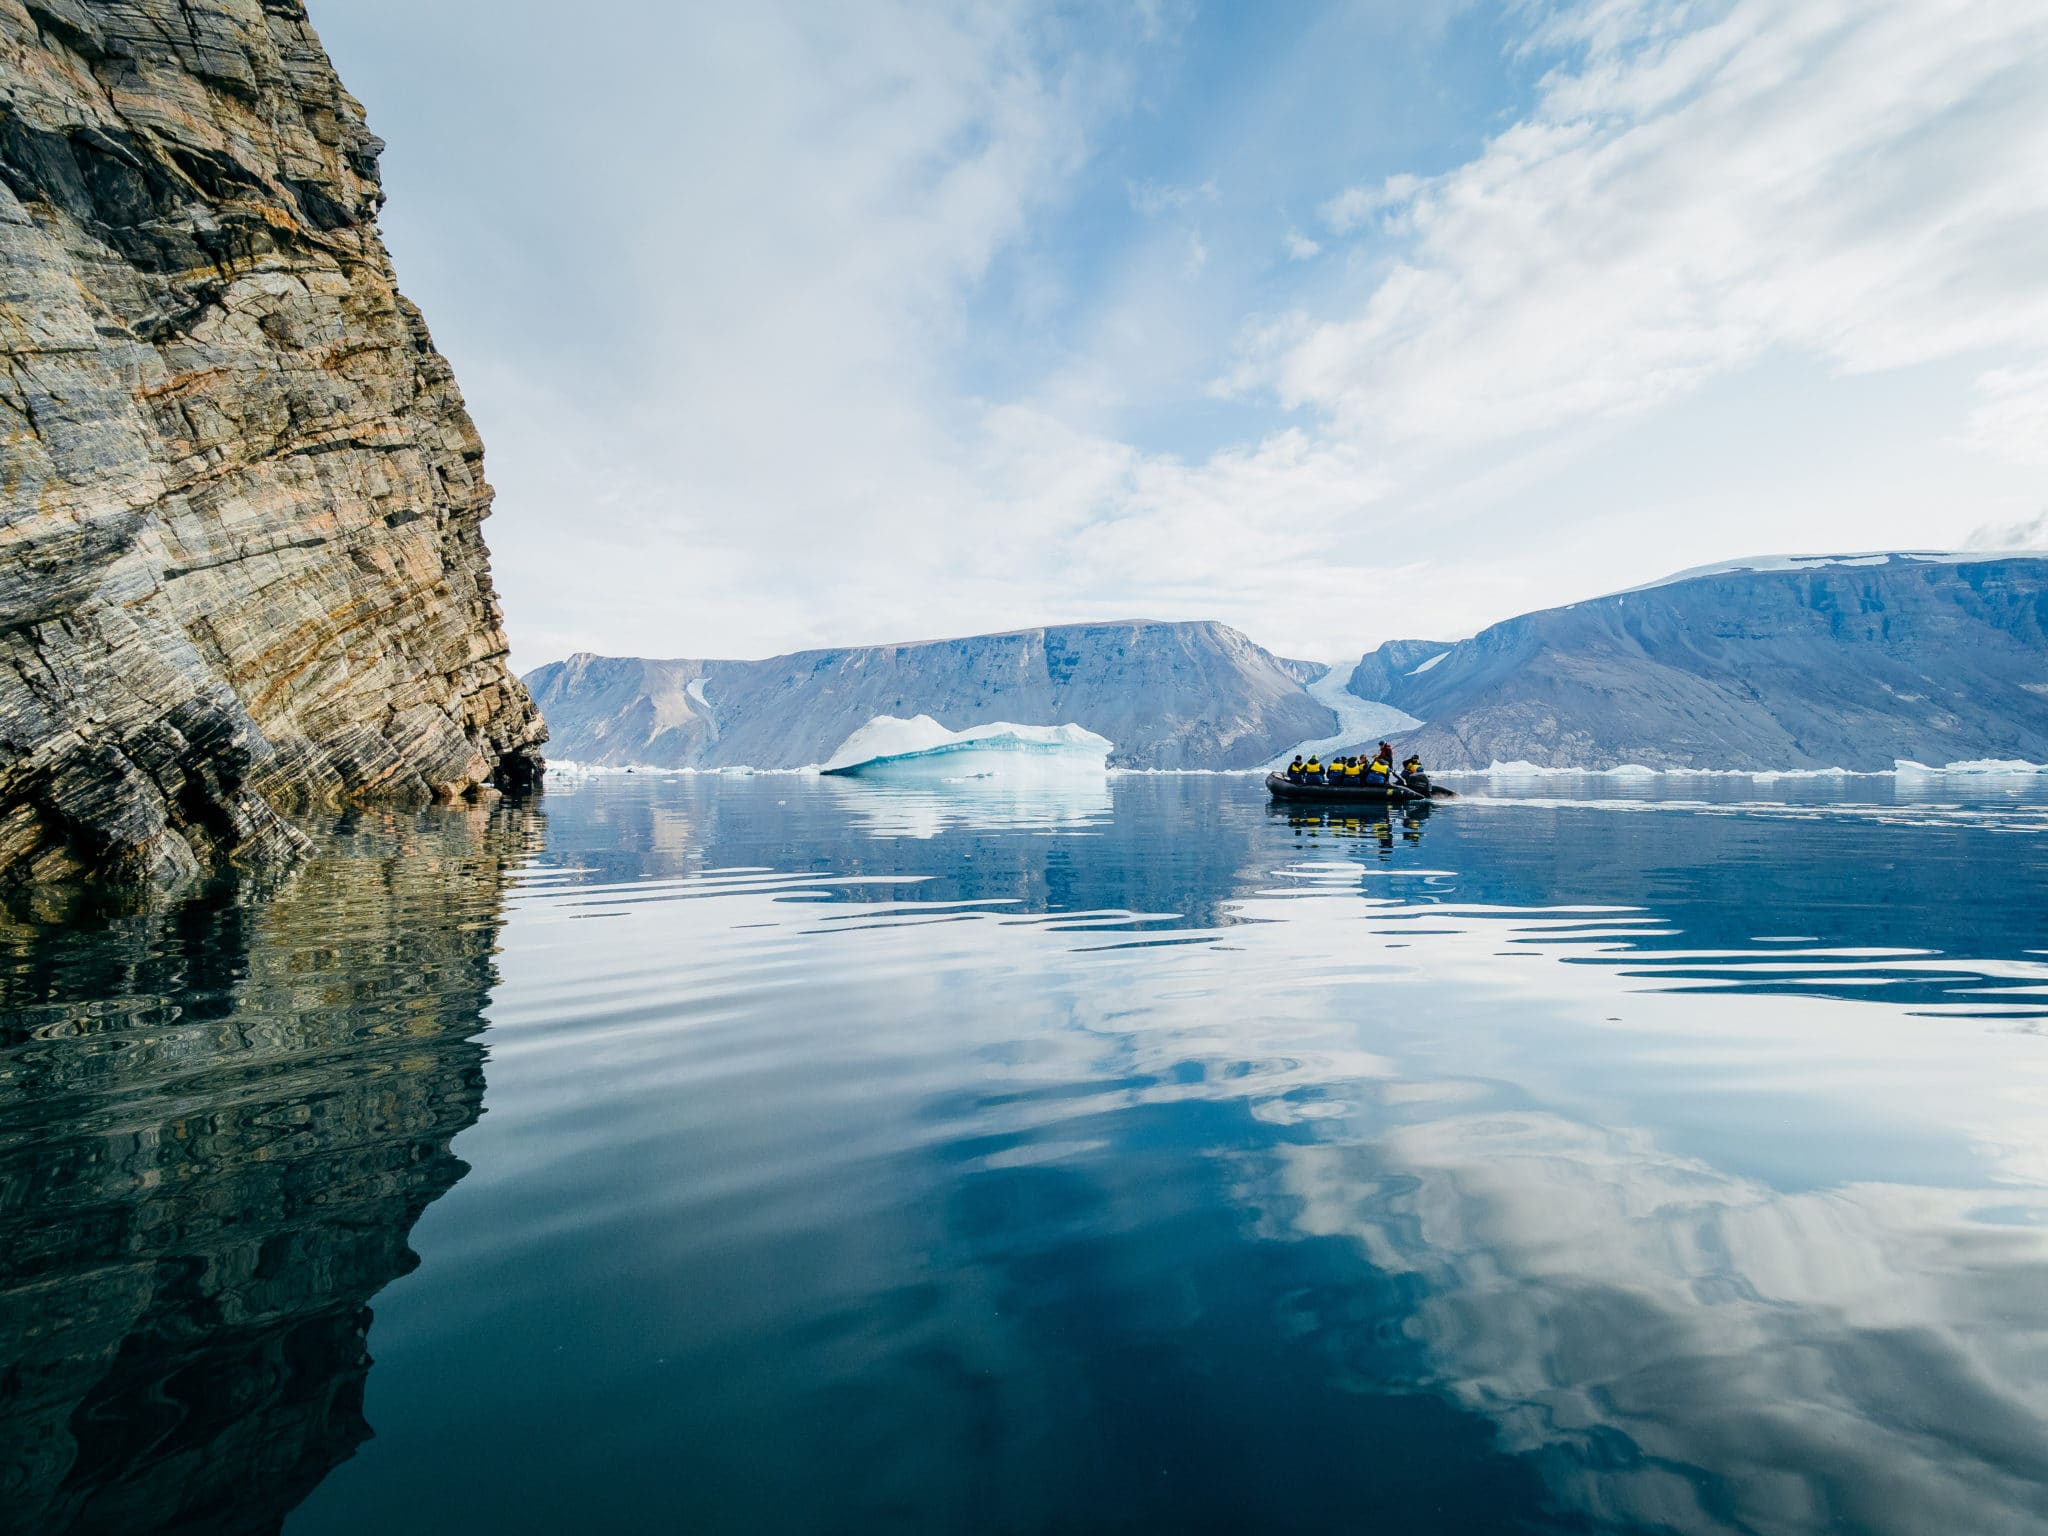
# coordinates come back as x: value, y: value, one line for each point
x: 779, y: 1155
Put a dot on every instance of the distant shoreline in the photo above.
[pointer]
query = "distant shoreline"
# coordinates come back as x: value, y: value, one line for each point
x: 1980, y: 768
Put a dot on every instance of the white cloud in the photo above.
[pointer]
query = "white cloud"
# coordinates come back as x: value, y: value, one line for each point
x: 1152, y: 198
x: 1356, y: 206
x: 2011, y: 416
x: 2030, y: 534
x: 706, y: 325
x: 1099, y: 525
x: 1865, y: 184
x: 720, y: 379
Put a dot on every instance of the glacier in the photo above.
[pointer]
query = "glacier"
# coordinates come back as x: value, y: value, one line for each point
x: 921, y: 747
x: 1360, y: 722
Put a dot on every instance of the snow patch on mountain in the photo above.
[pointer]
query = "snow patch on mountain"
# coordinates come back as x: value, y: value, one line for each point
x: 1760, y: 563
x: 694, y: 692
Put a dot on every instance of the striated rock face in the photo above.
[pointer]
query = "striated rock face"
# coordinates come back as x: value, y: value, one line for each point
x: 1853, y: 662
x: 1196, y: 695
x: 241, y: 568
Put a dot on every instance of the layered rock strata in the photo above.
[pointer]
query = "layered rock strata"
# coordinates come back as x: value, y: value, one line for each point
x: 241, y: 566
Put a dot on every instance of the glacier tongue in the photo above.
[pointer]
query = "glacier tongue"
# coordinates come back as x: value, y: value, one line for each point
x: 1360, y: 722
x: 925, y: 747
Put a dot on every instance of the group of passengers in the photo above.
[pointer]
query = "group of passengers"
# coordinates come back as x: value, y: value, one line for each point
x: 1377, y: 771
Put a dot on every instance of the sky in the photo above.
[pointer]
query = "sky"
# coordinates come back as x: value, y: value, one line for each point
x: 791, y: 324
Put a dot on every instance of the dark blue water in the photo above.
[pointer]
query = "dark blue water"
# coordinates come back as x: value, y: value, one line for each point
x: 775, y: 1154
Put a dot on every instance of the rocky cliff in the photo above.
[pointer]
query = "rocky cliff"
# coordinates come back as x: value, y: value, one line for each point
x: 1846, y: 662
x: 1168, y: 695
x: 241, y: 567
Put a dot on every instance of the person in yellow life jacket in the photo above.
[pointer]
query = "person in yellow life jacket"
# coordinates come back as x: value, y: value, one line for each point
x: 1379, y: 769
x: 1294, y: 774
x: 1353, y: 770
x: 1313, y: 770
x: 1412, y: 768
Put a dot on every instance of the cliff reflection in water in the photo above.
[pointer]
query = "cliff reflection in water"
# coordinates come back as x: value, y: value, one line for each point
x: 219, y: 1122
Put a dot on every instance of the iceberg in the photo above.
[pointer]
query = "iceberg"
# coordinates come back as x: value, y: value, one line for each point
x: 921, y: 747
x: 2001, y: 767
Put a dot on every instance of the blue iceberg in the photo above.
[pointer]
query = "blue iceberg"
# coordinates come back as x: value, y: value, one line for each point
x: 923, y: 748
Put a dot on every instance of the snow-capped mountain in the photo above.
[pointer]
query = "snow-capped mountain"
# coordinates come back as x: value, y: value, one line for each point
x: 1811, y: 661
x: 1849, y: 661
x: 1196, y: 695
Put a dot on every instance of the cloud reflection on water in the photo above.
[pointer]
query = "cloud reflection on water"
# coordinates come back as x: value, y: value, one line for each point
x: 1681, y: 1348
x: 857, y: 1160
x: 1722, y: 1233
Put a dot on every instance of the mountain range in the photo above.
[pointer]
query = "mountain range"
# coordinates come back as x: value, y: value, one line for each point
x: 1848, y: 661
x: 1831, y: 662
x: 1196, y: 695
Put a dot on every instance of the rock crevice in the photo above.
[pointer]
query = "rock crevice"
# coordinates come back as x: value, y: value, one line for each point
x: 241, y: 558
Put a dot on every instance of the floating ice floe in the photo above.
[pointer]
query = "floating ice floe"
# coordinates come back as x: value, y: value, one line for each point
x: 922, y: 747
x: 2004, y: 766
